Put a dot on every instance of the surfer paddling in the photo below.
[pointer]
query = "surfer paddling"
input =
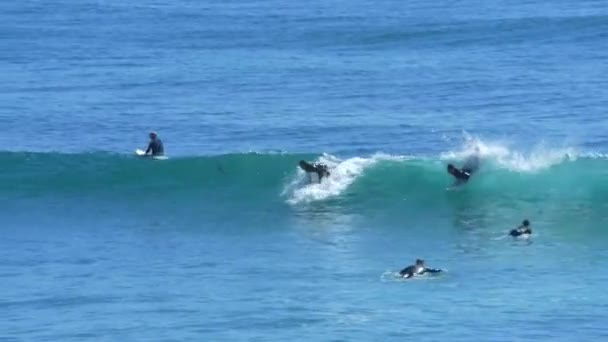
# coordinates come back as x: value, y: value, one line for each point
x: 418, y: 269
x: 524, y: 230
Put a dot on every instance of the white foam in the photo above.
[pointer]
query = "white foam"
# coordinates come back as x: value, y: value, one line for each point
x: 343, y: 174
x: 538, y: 158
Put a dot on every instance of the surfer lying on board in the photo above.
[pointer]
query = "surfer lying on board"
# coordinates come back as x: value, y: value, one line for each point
x: 470, y: 165
x: 155, y: 147
x: 320, y: 169
x: 522, y: 230
x: 417, y: 269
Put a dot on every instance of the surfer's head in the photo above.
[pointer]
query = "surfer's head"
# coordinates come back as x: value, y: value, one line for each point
x: 153, y: 135
x: 420, y: 262
x: 451, y: 168
x: 526, y: 223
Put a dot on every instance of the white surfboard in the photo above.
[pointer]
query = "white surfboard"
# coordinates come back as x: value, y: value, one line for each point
x: 142, y: 153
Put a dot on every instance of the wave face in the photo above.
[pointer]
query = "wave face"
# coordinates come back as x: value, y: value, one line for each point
x: 362, y: 180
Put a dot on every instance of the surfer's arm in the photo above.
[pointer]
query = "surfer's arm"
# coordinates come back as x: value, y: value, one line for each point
x: 432, y: 270
x: 149, y: 148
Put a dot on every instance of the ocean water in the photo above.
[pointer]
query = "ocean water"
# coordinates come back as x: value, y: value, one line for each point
x: 227, y: 241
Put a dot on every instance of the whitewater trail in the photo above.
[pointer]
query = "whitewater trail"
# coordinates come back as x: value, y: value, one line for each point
x: 498, y: 164
x: 498, y: 153
x: 343, y: 174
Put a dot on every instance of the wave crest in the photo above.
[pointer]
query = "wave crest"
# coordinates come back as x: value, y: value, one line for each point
x: 250, y: 178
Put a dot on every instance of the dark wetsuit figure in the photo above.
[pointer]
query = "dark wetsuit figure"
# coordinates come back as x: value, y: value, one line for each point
x: 320, y: 169
x: 471, y: 164
x: 462, y: 175
x: 418, y: 269
x: 524, y: 229
x: 155, y: 147
x: 520, y: 232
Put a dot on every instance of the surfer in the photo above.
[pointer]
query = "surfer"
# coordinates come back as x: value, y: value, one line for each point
x: 155, y: 147
x: 417, y: 269
x: 523, y: 230
x: 320, y: 169
x: 462, y: 176
x: 470, y: 166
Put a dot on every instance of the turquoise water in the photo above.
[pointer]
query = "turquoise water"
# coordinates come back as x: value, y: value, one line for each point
x: 226, y: 241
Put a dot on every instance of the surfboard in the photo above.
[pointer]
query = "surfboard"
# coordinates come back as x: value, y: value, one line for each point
x: 523, y: 237
x: 142, y: 153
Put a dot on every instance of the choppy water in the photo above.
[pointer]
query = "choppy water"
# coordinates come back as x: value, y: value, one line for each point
x: 227, y: 241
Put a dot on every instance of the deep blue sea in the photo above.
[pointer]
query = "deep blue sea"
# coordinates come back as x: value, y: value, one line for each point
x: 227, y: 241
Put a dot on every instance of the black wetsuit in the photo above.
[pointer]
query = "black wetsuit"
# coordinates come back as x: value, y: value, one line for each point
x: 156, y: 147
x: 413, y: 270
x: 320, y: 169
x: 470, y: 166
x: 520, y: 231
x: 462, y: 175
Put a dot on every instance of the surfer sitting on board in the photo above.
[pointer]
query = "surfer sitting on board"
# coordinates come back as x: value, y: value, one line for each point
x: 417, y: 269
x: 320, y: 169
x: 522, y: 230
x: 155, y: 147
x: 470, y: 165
